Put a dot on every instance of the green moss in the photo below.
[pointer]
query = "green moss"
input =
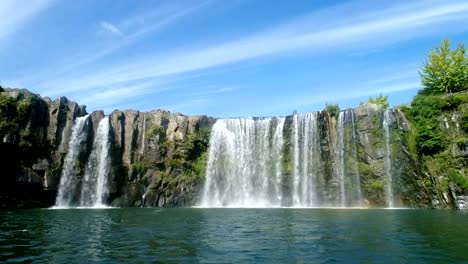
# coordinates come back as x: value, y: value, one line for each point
x: 377, y: 185
x: 365, y: 169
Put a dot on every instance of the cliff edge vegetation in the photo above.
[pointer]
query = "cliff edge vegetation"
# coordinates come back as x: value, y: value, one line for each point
x: 439, y: 125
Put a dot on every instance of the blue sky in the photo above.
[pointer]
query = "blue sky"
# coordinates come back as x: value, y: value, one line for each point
x: 222, y: 58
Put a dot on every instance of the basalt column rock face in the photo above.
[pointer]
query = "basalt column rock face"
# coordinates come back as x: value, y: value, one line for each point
x: 159, y: 157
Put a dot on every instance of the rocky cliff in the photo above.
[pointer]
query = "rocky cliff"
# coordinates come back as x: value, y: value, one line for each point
x: 159, y: 158
x: 157, y: 155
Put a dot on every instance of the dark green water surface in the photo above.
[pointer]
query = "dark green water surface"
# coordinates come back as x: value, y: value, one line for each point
x: 233, y: 236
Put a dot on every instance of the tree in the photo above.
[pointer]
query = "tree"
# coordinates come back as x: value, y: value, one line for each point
x: 332, y: 109
x: 380, y: 100
x: 445, y: 70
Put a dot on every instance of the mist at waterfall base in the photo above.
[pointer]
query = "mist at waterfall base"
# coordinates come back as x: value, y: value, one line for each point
x: 199, y: 235
x: 259, y: 162
x: 90, y: 190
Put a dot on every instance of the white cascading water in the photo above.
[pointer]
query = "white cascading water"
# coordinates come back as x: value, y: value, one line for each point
x: 143, y: 135
x: 340, y: 161
x: 357, y: 178
x: 247, y: 167
x: 94, y: 188
x: 346, y: 166
x: 388, y: 159
x: 306, y: 158
x: 69, y: 180
x: 245, y: 163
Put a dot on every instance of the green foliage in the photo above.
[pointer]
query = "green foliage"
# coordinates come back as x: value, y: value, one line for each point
x: 424, y: 114
x: 8, y: 115
x: 189, y: 155
x: 155, y: 130
x: 463, y: 120
x: 410, y: 139
x: 379, y: 100
x: 459, y: 179
x: 140, y: 166
x: 446, y: 168
x: 365, y: 169
x: 445, y: 70
x: 376, y: 185
x: 199, y: 166
x: 332, y: 109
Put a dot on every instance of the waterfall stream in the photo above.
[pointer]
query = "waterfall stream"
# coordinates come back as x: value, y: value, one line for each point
x: 91, y: 190
x: 69, y: 180
x: 389, y: 197
x: 94, y: 189
x: 346, y: 160
x: 306, y: 159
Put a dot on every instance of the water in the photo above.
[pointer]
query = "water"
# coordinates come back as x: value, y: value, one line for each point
x: 306, y: 160
x: 94, y: 189
x: 388, y: 160
x: 340, y: 160
x: 192, y: 235
x: 278, y: 162
x: 346, y: 160
x: 244, y: 163
x: 69, y: 181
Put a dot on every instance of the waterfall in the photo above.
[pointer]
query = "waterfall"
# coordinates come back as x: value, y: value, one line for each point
x: 273, y: 162
x: 94, y: 189
x: 306, y: 159
x: 143, y: 135
x: 69, y: 181
x: 357, y: 175
x: 388, y: 160
x: 244, y: 163
x: 347, y: 166
x: 340, y: 162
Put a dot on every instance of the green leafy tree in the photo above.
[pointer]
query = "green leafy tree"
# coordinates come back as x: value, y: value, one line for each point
x: 380, y: 100
x: 445, y: 71
x: 332, y: 109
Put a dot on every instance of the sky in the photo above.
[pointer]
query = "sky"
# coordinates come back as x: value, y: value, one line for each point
x: 223, y: 58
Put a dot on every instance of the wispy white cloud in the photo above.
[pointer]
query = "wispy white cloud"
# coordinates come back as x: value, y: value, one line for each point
x: 301, y: 35
x: 111, y: 28
x: 15, y: 14
x: 135, y: 27
x: 113, y: 96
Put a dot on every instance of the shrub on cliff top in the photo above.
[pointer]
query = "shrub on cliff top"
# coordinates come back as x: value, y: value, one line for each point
x: 332, y: 109
x: 379, y: 100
